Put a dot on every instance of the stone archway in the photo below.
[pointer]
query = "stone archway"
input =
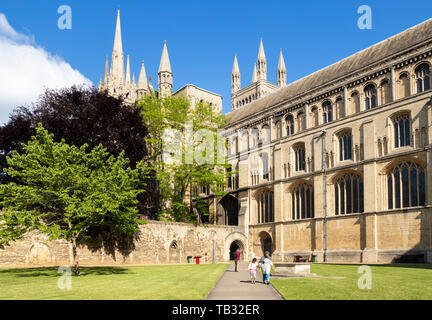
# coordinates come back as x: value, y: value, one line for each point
x: 236, y: 244
x: 228, y: 210
x: 266, y: 242
x: 233, y: 241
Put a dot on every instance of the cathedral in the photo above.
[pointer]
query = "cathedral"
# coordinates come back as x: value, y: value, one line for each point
x: 118, y: 83
x: 336, y: 166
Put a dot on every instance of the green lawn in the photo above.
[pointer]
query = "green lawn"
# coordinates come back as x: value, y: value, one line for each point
x: 389, y: 282
x: 184, y: 282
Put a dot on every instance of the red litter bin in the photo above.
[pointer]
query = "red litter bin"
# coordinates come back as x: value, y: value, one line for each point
x: 197, y: 259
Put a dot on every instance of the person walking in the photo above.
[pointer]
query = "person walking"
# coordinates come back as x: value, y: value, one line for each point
x: 237, y: 259
x: 266, y: 276
x: 252, y: 270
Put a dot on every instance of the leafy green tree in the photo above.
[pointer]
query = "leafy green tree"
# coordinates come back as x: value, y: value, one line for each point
x: 68, y: 193
x: 188, y: 156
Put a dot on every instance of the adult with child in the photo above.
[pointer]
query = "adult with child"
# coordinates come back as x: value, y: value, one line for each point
x: 266, y: 265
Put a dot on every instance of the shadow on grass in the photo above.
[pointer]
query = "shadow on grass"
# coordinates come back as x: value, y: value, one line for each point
x: 393, y: 265
x: 53, y: 271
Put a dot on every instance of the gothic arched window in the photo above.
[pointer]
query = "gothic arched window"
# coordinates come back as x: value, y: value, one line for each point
x: 327, y: 112
x: 404, y: 86
x: 370, y: 96
x: 349, y: 197
x: 355, y: 103
x: 303, y: 202
x: 265, y: 207
x: 345, y: 145
x: 255, y: 137
x: 385, y: 92
x: 422, y: 77
x: 406, y: 186
x: 402, y: 131
x: 289, y: 125
x: 315, y: 120
x: 300, y: 155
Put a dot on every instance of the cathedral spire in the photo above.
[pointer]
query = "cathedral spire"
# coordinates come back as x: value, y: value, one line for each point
x: 165, y: 78
x: 281, y: 72
x: 165, y: 65
x: 235, y: 76
x: 142, y: 80
x: 254, y: 76
x: 261, y: 63
x: 117, y: 63
x: 127, y: 81
x: 106, y: 71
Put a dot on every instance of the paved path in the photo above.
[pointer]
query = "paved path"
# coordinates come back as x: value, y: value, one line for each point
x: 237, y: 286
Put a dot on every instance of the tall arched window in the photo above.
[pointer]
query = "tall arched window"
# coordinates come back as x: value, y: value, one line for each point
x: 385, y: 92
x: 278, y: 129
x: 265, y: 165
x: 300, y: 155
x: 289, y: 125
x: 422, y: 77
x: 404, y: 86
x: 349, y: 197
x: 406, y: 186
x: 303, y: 202
x: 340, y: 110
x: 265, y: 207
x: 370, y: 96
x: 265, y: 134
x: 315, y: 119
x: 327, y: 112
x: 355, y: 103
x: 255, y: 137
x: 245, y: 140
x: 345, y: 145
x: 402, y: 131
x: 300, y: 121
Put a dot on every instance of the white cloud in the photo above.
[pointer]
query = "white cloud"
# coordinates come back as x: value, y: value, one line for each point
x: 26, y: 70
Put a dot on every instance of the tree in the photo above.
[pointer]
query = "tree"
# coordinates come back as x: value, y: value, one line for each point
x: 82, y: 115
x: 68, y: 193
x: 183, y: 153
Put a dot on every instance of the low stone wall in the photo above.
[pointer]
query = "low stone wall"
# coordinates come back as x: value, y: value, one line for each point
x: 158, y: 243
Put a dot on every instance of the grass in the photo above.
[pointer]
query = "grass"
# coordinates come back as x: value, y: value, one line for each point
x: 389, y: 282
x: 183, y: 282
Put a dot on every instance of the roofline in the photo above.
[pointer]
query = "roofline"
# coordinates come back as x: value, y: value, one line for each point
x: 196, y: 87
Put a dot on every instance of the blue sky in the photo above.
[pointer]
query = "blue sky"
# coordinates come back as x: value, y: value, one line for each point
x: 203, y: 36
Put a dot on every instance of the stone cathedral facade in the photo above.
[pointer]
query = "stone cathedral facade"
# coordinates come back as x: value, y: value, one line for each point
x: 338, y: 162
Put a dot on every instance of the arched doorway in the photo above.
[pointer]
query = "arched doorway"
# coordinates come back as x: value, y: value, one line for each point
x: 236, y: 244
x: 266, y: 242
x: 227, y: 212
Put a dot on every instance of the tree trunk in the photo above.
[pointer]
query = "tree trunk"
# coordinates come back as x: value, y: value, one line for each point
x: 75, y: 256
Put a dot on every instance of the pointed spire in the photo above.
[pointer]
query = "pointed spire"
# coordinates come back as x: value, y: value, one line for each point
x: 281, y: 64
x: 106, y: 71
x: 281, y: 72
x: 117, y: 63
x: 261, y: 63
x: 261, y: 53
x: 254, y: 76
x: 127, y: 80
x: 235, y: 68
x: 235, y: 77
x: 133, y: 80
x: 142, y: 80
x: 165, y: 62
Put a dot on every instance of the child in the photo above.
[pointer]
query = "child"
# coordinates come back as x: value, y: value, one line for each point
x: 252, y: 270
x: 266, y: 269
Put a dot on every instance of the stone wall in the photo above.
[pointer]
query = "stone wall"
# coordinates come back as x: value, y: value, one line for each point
x: 158, y: 243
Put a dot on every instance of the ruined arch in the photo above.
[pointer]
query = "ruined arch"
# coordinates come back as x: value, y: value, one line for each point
x: 227, y: 210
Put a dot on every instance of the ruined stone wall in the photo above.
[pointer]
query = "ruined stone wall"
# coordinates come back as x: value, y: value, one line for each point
x: 158, y: 243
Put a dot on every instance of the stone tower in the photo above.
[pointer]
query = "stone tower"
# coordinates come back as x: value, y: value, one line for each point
x: 235, y: 76
x: 117, y: 60
x: 261, y: 63
x: 281, y: 72
x: 165, y: 76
